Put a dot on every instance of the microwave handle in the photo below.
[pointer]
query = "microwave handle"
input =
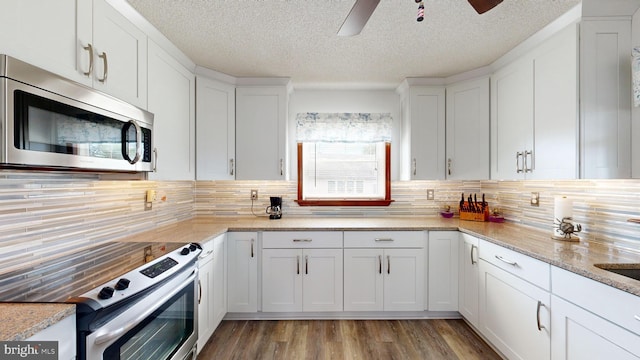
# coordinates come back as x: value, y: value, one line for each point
x: 125, y: 129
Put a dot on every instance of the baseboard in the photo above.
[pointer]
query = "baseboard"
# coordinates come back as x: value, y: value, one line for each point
x: 345, y: 315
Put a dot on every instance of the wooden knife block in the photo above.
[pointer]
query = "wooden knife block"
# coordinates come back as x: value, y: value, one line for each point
x: 475, y: 216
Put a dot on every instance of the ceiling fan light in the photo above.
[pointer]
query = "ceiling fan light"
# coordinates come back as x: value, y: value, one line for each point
x: 482, y: 6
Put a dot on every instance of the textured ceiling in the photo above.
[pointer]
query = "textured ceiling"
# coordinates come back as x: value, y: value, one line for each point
x: 297, y: 38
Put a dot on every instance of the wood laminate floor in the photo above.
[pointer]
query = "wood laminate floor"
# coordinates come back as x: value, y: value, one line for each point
x: 346, y: 339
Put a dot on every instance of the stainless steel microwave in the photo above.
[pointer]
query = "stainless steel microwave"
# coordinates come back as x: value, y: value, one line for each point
x: 50, y: 122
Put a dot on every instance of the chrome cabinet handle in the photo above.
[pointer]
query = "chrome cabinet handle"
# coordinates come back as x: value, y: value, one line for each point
x: 231, y: 167
x: 473, y: 247
x: 384, y: 239
x: 199, y: 291
x: 506, y: 261
x: 306, y: 264
x: 89, y: 48
x: 527, y: 166
x: 380, y: 264
x: 281, y: 167
x: 302, y: 240
x: 637, y: 317
x: 449, y: 166
x: 155, y: 159
x: 252, y: 253
x: 205, y: 254
x: 540, y: 326
x: 415, y: 167
x: 105, y: 72
x: 518, y: 155
x: 388, y: 264
x: 298, y: 265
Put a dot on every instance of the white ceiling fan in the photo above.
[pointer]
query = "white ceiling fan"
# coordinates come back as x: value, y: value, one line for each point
x: 362, y: 10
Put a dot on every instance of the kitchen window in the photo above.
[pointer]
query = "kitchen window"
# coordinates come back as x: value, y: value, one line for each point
x: 344, y: 159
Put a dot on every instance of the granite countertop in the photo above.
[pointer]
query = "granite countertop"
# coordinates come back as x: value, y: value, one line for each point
x: 20, y: 321
x: 578, y: 257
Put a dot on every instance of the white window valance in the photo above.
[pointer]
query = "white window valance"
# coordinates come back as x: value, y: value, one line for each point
x: 343, y: 127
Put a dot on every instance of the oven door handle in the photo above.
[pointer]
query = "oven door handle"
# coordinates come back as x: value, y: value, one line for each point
x: 114, y: 334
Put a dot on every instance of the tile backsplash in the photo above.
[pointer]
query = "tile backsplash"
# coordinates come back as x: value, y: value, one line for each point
x: 46, y: 217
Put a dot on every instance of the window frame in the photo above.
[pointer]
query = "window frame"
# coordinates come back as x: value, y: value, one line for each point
x: 347, y: 202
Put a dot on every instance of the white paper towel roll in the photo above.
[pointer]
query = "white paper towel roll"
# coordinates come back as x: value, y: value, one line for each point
x: 563, y: 208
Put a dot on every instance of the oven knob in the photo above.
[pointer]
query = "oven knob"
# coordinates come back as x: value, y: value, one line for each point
x: 193, y: 247
x: 122, y: 284
x: 185, y: 251
x: 106, y: 293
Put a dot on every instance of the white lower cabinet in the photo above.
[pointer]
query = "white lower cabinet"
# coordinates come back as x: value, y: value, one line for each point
x: 302, y: 271
x: 384, y: 271
x: 219, y: 279
x: 469, y: 279
x: 61, y: 332
x: 514, y: 313
x: 242, y: 272
x: 205, y: 294
x: 592, y: 320
x: 443, y: 271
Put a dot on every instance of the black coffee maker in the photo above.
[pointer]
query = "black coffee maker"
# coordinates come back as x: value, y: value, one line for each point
x: 275, y: 210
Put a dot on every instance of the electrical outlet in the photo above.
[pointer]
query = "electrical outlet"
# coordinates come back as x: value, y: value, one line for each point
x: 148, y: 256
x: 535, y: 199
x: 430, y: 194
x: 254, y: 194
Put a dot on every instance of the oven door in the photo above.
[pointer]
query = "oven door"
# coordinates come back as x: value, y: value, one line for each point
x: 161, y: 326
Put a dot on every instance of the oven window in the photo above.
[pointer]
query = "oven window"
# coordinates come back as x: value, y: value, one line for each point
x: 49, y: 126
x: 161, y: 334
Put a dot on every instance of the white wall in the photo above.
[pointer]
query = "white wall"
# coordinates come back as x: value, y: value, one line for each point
x: 336, y: 101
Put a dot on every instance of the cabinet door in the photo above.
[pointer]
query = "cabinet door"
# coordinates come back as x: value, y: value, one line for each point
x: 363, y: 280
x: 242, y: 270
x: 579, y: 334
x: 219, y: 307
x: 443, y: 270
x: 514, y: 314
x: 216, y: 131
x: 605, y: 83
x: 469, y: 278
x: 172, y: 101
x: 49, y: 34
x: 403, y: 271
x: 261, y: 115
x: 556, y: 107
x: 322, y: 280
x: 426, y: 127
x: 468, y: 130
x: 123, y: 72
x: 205, y: 300
x: 282, y: 280
x: 511, y: 118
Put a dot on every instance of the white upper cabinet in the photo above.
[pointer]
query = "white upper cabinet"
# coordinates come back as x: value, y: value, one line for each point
x: 215, y: 130
x: 261, y: 132
x: 88, y: 42
x: 605, y: 83
x: 172, y: 101
x: 467, y: 128
x: 423, y: 132
x: 48, y: 34
x: 534, y: 112
x: 119, y: 55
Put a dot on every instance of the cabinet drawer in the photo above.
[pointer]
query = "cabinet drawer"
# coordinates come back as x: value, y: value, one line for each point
x: 385, y: 239
x: 615, y: 305
x: 523, y: 266
x: 301, y: 239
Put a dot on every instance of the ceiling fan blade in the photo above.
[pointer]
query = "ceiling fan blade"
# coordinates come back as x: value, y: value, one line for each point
x: 483, y: 6
x: 358, y: 17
